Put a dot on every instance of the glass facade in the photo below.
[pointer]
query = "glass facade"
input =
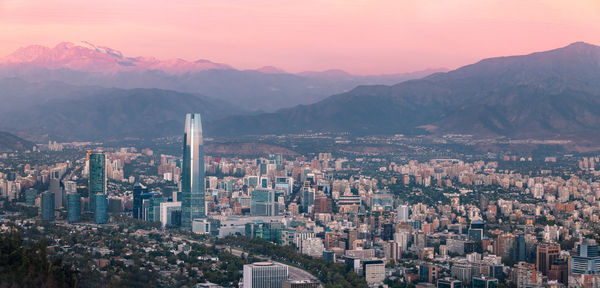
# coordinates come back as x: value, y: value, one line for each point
x: 115, y: 206
x: 101, y: 209
x: 587, y: 260
x: 97, y: 180
x: 73, y: 207
x: 192, y: 172
x: 138, y: 190
x: 154, y: 209
x: 48, y: 206
x: 30, y: 195
x: 480, y: 282
x: 449, y: 283
x: 263, y: 203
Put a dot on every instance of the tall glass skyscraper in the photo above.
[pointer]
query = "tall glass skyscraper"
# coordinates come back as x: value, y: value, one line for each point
x: 192, y: 172
x: 30, y: 195
x: 97, y: 180
x: 73, y: 207
x: 138, y: 190
x: 101, y: 209
x: 48, y: 206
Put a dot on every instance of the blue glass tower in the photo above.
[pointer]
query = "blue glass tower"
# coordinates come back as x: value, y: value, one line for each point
x: 138, y: 191
x: 30, y: 195
x: 97, y: 180
x: 73, y: 207
x: 101, y: 209
x: 48, y: 206
x: 192, y: 172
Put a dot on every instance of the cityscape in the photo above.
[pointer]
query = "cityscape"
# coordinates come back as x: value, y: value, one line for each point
x: 125, y: 216
x: 144, y: 171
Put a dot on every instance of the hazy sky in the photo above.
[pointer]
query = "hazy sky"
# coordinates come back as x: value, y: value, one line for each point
x: 359, y: 36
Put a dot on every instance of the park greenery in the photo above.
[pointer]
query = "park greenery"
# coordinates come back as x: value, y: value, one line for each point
x: 29, y: 265
x: 331, y: 275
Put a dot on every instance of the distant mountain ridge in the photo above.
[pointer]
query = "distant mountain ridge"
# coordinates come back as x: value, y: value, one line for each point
x: 265, y: 89
x: 103, y: 114
x: 91, y: 58
x: 10, y: 142
x: 551, y: 95
x: 545, y: 95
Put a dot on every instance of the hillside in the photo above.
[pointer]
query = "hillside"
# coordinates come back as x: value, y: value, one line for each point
x: 10, y: 142
x: 552, y: 94
x: 111, y: 114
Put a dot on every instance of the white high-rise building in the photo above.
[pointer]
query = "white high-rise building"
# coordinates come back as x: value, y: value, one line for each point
x: 166, y: 211
x: 538, y: 190
x: 403, y: 212
x: 264, y: 275
x: 374, y: 271
x: 401, y: 237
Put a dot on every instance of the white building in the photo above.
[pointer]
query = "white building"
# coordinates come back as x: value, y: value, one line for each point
x: 403, y: 211
x: 313, y: 247
x: 374, y: 271
x: 166, y: 211
x: 264, y: 275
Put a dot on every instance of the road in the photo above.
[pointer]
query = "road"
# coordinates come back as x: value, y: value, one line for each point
x: 295, y: 273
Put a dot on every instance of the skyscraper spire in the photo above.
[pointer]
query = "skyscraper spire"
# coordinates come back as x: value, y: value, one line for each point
x: 192, y: 188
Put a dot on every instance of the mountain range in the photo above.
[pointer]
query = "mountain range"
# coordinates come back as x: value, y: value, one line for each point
x: 103, y: 114
x: 546, y: 95
x: 265, y: 89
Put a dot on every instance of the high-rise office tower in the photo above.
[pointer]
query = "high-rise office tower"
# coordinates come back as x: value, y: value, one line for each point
x: 308, y: 199
x: 73, y: 207
x: 70, y: 187
x: 546, y: 255
x: 48, y: 206
x: 264, y: 275
x: 101, y: 209
x: 56, y: 189
x: 30, y: 196
x: 192, y: 172
x: 520, y: 253
x: 476, y: 230
x: 263, y: 203
x: 97, y: 179
x: 388, y: 232
x: 403, y: 212
x: 138, y: 190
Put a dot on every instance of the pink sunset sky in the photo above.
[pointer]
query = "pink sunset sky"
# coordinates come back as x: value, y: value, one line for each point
x: 359, y: 36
